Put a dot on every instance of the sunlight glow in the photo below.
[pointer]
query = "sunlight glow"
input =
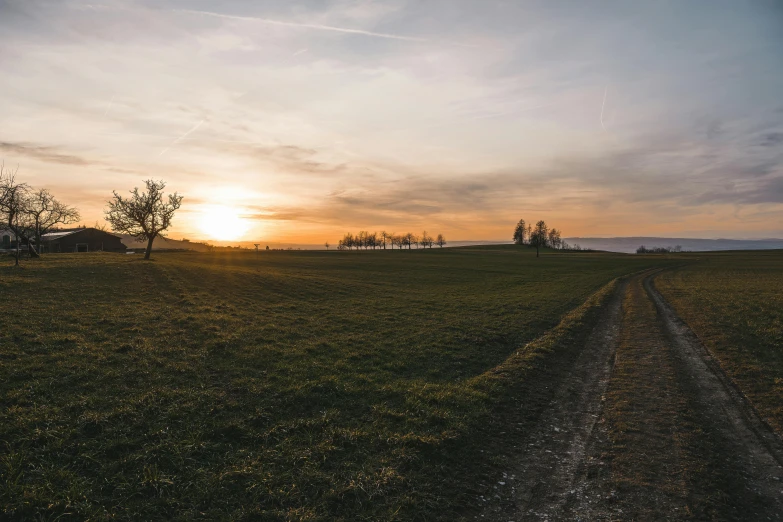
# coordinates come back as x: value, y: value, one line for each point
x: 223, y: 223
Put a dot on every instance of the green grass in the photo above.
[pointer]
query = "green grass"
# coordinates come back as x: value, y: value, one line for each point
x: 734, y: 303
x: 292, y: 386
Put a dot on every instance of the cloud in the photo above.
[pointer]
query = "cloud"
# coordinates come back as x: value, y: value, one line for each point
x: 414, y: 199
x: 44, y: 153
x: 290, y: 159
x: 773, y: 139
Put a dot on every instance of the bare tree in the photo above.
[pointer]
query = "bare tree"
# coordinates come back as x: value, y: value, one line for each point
x: 441, y: 240
x: 326, y: 245
x: 538, y: 238
x: 43, y: 212
x: 362, y: 239
x: 384, y: 238
x: 143, y: 215
x: 554, y: 238
x: 13, y: 196
x: 520, y: 233
x: 426, y: 240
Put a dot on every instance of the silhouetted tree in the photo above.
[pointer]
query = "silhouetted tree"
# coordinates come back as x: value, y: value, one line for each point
x: 554, y: 238
x: 426, y: 241
x: 12, y: 201
x: 441, y: 240
x: 326, y: 245
x: 538, y: 238
x: 361, y: 239
x: 384, y: 238
x: 43, y: 212
x: 143, y: 215
x: 520, y: 232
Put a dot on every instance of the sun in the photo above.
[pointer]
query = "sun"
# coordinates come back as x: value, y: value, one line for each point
x: 223, y: 223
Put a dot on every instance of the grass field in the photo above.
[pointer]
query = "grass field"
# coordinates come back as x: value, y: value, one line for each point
x: 734, y: 303
x: 292, y: 386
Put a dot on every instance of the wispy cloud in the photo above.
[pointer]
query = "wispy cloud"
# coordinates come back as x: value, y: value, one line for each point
x: 43, y: 153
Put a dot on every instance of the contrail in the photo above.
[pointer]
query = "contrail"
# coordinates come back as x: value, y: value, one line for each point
x: 300, y: 51
x: 305, y: 26
x: 602, y: 108
x: 111, y: 104
x: 181, y: 138
x: 511, y: 113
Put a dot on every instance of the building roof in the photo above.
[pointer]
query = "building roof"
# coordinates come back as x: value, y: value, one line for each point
x: 51, y: 236
x: 57, y: 235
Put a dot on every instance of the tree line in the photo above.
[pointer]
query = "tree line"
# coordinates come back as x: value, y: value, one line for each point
x: 659, y: 250
x: 540, y: 236
x: 375, y: 240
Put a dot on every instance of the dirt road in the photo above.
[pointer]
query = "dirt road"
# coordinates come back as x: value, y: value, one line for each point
x: 644, y: 426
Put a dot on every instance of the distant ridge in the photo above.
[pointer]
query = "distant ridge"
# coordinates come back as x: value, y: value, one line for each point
x: 162, y: 243
x: 630, y: 244
x: 610, y: 244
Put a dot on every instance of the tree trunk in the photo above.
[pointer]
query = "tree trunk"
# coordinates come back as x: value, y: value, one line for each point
x: 149, y: 247
x: 31, y: 251
x: 536, y: 250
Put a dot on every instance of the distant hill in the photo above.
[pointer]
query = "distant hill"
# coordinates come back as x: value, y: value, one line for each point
x: 630, y: 244
x: 610, y: 244
x: 162, y: 243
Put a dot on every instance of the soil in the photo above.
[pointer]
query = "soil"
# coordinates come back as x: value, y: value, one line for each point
x: 643, y: 426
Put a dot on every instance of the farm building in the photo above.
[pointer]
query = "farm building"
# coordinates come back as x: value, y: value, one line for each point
x: 6, y: 239
x: 81, y: 240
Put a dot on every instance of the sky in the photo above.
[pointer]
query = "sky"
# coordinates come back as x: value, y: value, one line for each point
x: 299, y: 121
